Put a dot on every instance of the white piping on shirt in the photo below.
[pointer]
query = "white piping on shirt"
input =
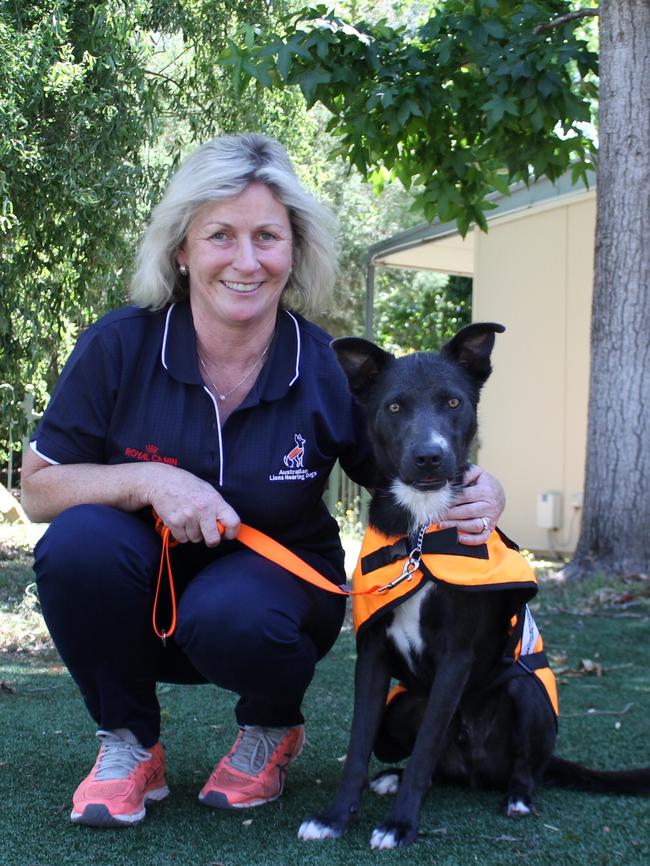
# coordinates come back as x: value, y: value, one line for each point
x: 32, y: 445
x: 295, y: 324
x: 219, y: 437
x: 163, y: 350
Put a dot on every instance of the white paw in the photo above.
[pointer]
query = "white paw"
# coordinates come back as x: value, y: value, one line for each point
x: 383, y: 839
x: 313, y: 829
x: 387, y: 783
x: 517, y: 809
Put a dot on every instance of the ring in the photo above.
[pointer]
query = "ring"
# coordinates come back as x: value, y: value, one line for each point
x: 486, y: 525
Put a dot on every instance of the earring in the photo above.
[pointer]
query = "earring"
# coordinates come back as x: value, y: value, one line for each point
x: 183, y: 270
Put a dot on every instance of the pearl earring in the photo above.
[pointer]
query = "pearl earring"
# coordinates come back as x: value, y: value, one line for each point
x: 183, y: 270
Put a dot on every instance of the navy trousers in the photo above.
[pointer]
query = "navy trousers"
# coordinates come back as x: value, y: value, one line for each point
x: 244, y: 623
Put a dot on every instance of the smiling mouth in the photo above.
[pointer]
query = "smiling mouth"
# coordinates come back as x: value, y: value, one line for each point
x: 241, y: 288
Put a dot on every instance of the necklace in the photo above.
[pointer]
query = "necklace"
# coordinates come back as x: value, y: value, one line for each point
x: 225, y: 396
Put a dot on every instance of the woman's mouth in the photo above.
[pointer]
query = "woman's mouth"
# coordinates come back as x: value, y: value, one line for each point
x: 241, y: 288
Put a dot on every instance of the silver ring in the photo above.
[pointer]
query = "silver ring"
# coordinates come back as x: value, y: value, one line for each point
x: 486, y: 525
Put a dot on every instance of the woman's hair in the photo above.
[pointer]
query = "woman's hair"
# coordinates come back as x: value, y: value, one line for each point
x: 219, y: 170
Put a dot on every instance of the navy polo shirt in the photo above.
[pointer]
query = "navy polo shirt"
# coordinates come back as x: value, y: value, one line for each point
x: 132, y: 391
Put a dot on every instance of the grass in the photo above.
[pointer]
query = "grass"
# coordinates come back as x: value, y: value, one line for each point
x: 597, y: 635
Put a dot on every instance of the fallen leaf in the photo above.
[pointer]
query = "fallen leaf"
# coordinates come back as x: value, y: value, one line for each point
x: 591, y: 667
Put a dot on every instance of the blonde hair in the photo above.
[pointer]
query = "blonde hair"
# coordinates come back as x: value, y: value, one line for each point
x: 221, y: 169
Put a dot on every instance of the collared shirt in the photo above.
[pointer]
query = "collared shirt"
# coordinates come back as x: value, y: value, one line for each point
x: 132, y: 391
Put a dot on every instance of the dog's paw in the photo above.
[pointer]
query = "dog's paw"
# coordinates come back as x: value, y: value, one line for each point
x: 393, y: 836
x: 518, y: 808
x: 386, y: 782
x: 314, y: 828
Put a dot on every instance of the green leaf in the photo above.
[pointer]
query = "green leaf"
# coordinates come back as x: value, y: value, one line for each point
x: 494, y: 28
x: 310, y: 80
x: 284, y: 61
x: 462, y: 222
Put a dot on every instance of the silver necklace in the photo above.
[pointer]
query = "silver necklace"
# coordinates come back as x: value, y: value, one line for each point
x: 225, y: 396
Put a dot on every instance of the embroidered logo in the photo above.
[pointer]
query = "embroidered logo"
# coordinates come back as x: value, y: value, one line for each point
x: 293, y: 459
x: 150, y: 455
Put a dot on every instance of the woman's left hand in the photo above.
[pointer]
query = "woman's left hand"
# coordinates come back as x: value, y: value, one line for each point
x: 478, y: 507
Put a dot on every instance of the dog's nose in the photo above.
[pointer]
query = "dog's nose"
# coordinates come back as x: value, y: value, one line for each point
x: 430, y: 459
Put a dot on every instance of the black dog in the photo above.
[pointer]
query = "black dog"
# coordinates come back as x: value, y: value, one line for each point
x: 470, y: 712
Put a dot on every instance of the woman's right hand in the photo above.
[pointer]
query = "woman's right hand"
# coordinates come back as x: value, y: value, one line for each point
x: 189, y: 506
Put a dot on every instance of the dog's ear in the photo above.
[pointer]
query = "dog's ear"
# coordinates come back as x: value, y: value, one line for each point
x: 472, y: 347
x: 361, y: 361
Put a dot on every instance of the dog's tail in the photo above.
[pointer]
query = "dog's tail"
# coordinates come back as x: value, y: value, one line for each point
x: 566, y: 774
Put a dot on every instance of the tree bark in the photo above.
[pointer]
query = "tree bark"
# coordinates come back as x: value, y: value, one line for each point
x: 615, y: 534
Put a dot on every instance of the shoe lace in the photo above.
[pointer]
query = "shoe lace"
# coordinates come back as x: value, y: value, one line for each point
x: 254, y: 748
x: 117, y: 757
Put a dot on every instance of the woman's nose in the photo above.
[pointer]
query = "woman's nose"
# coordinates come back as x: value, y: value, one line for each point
x: 245, y: 259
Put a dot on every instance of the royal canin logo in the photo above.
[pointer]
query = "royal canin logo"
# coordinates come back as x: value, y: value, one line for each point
x: 150, y: 455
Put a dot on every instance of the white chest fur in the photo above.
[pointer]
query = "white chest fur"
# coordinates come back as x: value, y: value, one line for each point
x: 404, y: 631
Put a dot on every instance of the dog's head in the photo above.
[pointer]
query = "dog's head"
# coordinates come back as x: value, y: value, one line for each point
x: 421, y: 410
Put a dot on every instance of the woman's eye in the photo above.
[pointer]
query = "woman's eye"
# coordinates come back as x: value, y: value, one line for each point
x: 394, y: 407
x: 267, y: 236
x: 453, y: 402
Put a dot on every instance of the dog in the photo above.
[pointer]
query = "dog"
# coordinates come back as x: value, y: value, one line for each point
x: 477, y: 701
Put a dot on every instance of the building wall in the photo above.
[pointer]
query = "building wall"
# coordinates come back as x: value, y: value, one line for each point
x: 533, y: 273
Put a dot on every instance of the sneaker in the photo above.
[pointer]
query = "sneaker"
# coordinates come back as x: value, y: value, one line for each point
x: 253, y: 772
x: 124, y: 778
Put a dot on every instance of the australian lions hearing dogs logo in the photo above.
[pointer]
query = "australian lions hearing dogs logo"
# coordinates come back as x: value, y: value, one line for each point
x: 294, y: 460
x: 295, y: 457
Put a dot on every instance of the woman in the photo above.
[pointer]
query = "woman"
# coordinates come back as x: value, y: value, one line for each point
x: 208, y: 401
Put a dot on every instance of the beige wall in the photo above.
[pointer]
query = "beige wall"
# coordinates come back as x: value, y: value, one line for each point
x: 533, y: 273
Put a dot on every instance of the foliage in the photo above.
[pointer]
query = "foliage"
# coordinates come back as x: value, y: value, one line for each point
x: 74, y: 97
x: 424, y: 313
x: 97, y: 102
x: 472, y: 100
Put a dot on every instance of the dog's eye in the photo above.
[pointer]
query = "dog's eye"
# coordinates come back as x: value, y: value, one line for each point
x: 394, y: 407
x: 453, y: 402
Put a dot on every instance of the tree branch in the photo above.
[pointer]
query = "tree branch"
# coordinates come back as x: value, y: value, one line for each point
x: 564, y: 19
x: 155, y: 74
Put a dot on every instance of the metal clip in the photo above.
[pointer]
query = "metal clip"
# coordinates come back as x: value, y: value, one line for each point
x: 163, y: 638
x: 412, y: 561
x: 410, y: 567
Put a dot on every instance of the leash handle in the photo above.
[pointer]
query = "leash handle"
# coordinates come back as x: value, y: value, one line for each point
x: 165, y: 563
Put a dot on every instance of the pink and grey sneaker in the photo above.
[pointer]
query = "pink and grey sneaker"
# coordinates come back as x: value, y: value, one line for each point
x: 253, y: 772
x: 123, y: 780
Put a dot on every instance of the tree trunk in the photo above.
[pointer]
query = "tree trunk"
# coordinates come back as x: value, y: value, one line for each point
x: 615, y: 535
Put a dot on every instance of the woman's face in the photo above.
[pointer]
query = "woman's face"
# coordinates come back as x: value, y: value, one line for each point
x: 239, y: 255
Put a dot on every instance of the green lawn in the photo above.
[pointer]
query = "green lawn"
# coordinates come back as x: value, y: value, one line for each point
x: 48, y: 745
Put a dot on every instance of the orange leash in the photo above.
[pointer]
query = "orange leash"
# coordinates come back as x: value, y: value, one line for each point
x: 260, y: 543
x: 167, y: 542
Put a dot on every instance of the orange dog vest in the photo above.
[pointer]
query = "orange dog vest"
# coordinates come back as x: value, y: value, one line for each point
x: 494, y: 566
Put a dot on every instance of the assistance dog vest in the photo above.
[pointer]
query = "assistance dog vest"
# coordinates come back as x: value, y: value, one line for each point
x: 496, y: 565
